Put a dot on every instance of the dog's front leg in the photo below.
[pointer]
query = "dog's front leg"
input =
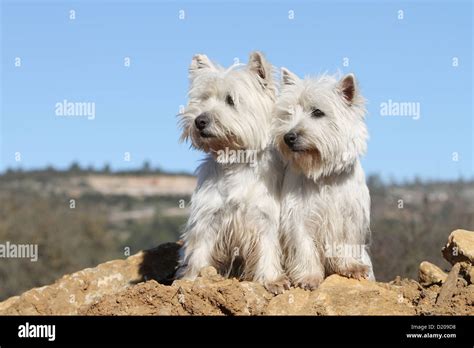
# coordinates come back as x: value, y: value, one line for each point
x: 196, y: 253
x: 358, y: 267
x: 269, y: 270
x: 303, y: 262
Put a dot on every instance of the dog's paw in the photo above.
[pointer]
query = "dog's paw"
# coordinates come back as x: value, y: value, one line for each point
x: 279, y: 285
x: 356, y: 271
x: 309, y: 282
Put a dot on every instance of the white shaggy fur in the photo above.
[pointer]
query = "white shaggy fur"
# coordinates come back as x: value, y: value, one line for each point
x: 235, y: 208
x: 325, y: 203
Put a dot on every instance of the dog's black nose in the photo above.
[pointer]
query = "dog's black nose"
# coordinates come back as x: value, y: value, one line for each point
x: 291, y: 138
x: 201, y: 121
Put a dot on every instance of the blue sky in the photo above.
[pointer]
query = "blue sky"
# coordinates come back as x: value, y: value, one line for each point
x: 404, y: 60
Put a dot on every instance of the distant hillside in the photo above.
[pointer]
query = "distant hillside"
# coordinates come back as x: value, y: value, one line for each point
x: 80, y: 218
x: 106, y: 184
x: 408, y: 222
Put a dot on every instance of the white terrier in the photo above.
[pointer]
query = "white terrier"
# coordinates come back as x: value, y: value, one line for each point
x: 325, y: 208
x: 235, y: 210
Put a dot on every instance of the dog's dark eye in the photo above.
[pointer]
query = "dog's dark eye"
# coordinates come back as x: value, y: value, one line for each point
x: 229, y: 100
x: 317, y: 113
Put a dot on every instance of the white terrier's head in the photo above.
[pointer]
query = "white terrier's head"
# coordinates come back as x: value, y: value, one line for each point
x: 229, y: 108
x: 319, y: 123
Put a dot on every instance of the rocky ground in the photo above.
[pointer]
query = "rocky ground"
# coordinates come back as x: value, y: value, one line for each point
x: 142, y: 285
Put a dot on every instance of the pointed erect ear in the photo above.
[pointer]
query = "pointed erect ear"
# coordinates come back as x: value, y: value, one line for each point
x: 288, y: 78
x: 259, y: 65
x: 348, y: 87
x: 200, y: 62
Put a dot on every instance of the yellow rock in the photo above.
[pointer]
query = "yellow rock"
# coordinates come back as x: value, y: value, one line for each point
x: 460, y: 247
x: 431, y: 274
